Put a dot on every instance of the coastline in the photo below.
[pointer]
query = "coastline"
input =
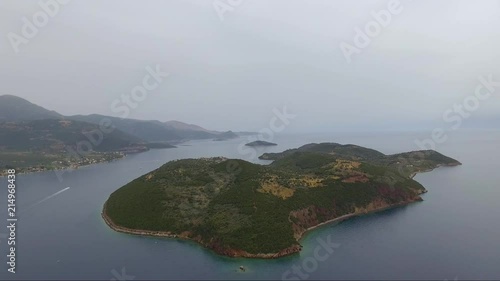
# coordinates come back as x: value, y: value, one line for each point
x: 359, y: 214
x: 284, y: 252
x: 233, y: 253
x: 30, y: 171
x: 35, y: 169
x: 432, y: 169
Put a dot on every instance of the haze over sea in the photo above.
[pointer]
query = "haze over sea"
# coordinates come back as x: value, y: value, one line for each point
x: 453, y: 234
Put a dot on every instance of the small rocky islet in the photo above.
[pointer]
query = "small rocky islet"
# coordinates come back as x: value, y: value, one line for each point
x: 261, y: 143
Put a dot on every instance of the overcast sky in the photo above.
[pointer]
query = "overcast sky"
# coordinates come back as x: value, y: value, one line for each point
x: 231, y: 73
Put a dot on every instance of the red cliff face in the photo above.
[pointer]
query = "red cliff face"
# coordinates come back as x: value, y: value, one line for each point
x: 218, y: 248
x: 395, y: 194
x: 308, y: 218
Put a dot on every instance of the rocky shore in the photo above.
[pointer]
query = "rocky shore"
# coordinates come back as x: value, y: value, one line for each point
x: 217, y: 248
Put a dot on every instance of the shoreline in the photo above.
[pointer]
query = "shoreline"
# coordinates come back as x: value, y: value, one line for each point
x: 294, y: 249
x: 232, y: 253
x: 352, y: 215
x: 240, y: 253
x: 432, y: 169
x: 21, y: 172
x: 124, y: 155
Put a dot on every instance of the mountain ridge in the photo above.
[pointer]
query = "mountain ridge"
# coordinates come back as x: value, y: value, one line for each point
x: 34, y: 139
x: 14, y: 108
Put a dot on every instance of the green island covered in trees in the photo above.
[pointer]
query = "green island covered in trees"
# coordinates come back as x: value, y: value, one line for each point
x: 241, y: 209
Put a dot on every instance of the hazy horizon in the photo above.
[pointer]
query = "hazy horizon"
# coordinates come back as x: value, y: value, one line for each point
x: 231, y: 73
x: 363, y: 145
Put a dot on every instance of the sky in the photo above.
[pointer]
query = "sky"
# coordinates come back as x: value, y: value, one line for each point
x: 232, y: 63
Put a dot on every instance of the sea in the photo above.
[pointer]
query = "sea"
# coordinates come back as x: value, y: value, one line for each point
x: 454, y: 234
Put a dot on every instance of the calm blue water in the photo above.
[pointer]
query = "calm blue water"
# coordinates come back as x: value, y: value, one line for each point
x: 453, y: 234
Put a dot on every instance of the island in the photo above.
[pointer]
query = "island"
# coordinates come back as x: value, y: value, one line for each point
x: 261, y: 143
x: 241, y: 209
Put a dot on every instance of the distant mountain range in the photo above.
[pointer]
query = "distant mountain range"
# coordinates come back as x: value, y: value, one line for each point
x: 146, y: 130
x: 53, y: 135
x: 32, y: 136
x: 15, y: 109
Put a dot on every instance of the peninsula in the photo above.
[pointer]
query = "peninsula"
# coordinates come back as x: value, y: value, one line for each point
x: 241, y: 209
x: 35, y: 139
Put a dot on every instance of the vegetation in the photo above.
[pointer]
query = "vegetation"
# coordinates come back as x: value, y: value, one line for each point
x: 49, y: 144
x: 233, y: 206
x: 156, y: 131
x: 54, y: 135
x: 151, y: 131
x: 13, y: 108
x: 28, y: 162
